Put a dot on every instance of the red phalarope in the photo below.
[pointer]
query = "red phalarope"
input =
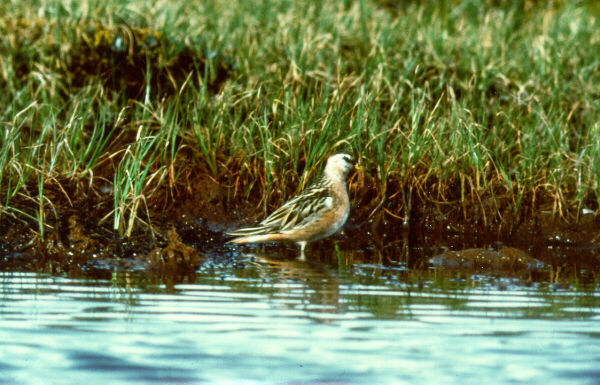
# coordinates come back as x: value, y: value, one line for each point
x: 318, y: 212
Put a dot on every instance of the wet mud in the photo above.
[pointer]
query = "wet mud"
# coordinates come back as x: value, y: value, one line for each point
x: 189, y: 234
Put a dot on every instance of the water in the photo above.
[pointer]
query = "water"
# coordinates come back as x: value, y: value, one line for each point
x: 285, y: 321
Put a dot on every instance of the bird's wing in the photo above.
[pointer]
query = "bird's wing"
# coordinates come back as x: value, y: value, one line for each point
x: 300, y: 210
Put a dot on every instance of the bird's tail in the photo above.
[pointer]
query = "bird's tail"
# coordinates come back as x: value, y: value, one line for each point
x: 257, y: 238
x: 254, y: 235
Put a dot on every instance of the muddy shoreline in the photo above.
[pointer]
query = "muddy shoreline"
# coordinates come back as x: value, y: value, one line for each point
x: 189, y: 232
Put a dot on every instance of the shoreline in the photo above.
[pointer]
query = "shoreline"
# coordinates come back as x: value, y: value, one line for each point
x: 191, y: 228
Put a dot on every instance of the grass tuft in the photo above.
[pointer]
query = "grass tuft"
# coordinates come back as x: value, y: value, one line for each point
x: 488, y: 107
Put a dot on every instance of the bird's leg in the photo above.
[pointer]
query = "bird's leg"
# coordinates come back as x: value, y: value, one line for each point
x: 302, y: 246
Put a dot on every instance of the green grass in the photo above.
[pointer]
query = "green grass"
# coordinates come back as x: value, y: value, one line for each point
x: 451, y: 102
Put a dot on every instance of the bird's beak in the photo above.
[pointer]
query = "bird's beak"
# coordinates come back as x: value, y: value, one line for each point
x: 367, y: 170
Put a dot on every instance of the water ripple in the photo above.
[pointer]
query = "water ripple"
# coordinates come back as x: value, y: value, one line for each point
x: 296, y: 323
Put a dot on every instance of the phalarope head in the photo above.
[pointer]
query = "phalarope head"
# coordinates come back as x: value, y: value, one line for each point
x: 339, y: 165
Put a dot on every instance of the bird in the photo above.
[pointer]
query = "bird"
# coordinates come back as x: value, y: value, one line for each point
x: 316, y: 213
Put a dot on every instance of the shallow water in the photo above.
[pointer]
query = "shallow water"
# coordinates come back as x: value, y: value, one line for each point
x: 265, y: 319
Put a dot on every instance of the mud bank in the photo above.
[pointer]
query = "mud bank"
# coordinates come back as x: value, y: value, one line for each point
x: 189, y: 233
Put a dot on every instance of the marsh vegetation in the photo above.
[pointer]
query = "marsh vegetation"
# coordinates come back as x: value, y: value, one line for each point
x: 122, y: 119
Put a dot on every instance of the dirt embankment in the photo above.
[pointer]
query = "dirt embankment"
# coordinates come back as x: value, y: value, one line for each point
x: 188, y: 228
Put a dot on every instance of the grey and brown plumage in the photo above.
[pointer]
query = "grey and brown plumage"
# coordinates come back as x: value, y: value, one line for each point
x: 318, y: 212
